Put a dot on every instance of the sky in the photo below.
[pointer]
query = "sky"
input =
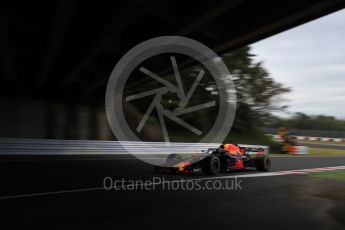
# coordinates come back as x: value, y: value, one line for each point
x: 310, y: 59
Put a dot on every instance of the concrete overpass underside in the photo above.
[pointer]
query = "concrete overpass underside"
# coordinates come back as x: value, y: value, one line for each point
x: 56, y: 56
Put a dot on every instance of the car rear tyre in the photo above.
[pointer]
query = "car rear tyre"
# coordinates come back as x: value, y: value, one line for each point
x: 263, y: 163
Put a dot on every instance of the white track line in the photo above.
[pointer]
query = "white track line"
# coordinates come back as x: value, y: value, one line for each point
x: 49, y: 193
x: 80, y: 159
x: 253, y: 175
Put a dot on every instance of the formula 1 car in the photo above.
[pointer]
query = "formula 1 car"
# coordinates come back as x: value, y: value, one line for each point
x: 216, y: 160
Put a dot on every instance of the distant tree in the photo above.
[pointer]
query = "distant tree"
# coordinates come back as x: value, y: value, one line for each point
x: 258, y: 94
x: 311, y: 122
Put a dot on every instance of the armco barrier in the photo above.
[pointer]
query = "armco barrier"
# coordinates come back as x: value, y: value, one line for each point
x: 323, y: 139
x: 11, y: 146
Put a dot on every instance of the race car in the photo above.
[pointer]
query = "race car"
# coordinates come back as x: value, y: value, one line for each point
x: 216, y: 160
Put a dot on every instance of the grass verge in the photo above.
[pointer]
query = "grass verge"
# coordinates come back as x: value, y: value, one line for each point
x: 326, y: 152
x: 333, y: 175
x: 321, y: 142
x: 317, y: 152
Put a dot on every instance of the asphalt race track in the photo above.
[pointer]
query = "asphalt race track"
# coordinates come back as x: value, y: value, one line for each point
x: 67, y: 193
